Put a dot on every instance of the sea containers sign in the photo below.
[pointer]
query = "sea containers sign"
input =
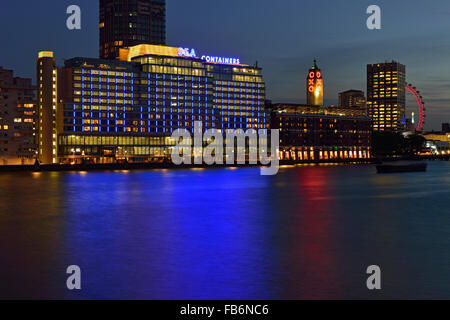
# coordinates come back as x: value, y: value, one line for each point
x: 190, y: 53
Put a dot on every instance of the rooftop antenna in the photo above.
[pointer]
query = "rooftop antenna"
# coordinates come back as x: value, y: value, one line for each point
x: 315, y: 64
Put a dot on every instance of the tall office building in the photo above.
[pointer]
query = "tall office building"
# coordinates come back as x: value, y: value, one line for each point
x: 17, y: 119
x: 105, y: 111
x: 314, y: 86
x: 352, y: 99
x: 47, y: 104
x: 127, y: 23
x: 386, y: 95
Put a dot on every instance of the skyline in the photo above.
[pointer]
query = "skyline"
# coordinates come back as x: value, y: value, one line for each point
x: 341, y: 42
x: 224, y: 155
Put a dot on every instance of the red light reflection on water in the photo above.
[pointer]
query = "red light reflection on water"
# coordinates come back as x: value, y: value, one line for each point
x: 314, y: 245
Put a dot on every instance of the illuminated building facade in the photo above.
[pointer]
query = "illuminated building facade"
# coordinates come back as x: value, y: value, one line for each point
x: 110, y: 110
x: 314, y: 86
x: 309, y: 133
x: 47, y: 107
x: 386, y: 96
x: 17, y: 119
x: 126, y: 23
x: 352, y: 99
x: 438, y: 143
x: 437, y: 136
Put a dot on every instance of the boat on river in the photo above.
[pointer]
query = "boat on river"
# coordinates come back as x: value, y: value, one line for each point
x: 402, y: 168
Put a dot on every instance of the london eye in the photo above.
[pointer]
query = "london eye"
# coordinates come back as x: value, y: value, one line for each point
x: 410, y: 88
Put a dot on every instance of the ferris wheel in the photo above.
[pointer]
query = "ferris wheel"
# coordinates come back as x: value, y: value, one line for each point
x: 418, y: 97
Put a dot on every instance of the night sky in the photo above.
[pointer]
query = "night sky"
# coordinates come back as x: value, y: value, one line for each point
x: 284, y: 36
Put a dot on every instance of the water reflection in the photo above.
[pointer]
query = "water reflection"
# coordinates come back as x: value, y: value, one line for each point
x: 315, y: 223
x: 189, y: 234
x: 309, y: 232
x: 30, y: 236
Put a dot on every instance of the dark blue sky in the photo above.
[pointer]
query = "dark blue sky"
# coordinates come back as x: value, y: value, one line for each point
x: 283, y: 35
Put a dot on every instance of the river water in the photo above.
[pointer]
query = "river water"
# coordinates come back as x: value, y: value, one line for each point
x: 309, y: 232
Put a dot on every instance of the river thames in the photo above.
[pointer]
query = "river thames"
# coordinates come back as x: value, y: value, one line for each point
x: 309, y: 232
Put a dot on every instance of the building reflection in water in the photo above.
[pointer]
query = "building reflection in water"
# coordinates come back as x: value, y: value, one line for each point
x: 31, y: 235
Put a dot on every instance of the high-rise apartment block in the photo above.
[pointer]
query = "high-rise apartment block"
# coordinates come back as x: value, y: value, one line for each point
x: 386, y: 95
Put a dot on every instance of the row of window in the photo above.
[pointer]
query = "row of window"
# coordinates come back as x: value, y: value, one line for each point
x: 165, y: 128
x: 156, y: 109
x: 176, y: 73
x: 171, y: 85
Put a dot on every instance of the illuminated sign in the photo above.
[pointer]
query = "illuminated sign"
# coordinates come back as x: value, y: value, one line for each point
x: 190, y: 53
x: 314, y: 86
x: 186, y: 52
x: 221, y: 60
x: 315, y: 81
x: 128, y: 54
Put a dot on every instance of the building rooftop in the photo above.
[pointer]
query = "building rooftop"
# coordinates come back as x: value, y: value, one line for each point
x: 130, y: 53
x: 102, y: 64
x: 305, y: 109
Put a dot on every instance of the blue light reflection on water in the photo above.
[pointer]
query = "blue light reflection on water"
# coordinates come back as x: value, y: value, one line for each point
x: 174, y: 235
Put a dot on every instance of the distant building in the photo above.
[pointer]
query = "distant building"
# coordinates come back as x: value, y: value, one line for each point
x: 437, y: 147
x: 105, y: 111
x: 438, y: 143
x: 446, y: 127
x: 314, y: 86
x: 409, y: 125
x: 17, y: 119
x: 311, y: 133
x: 352, y: 99
x: 127, y: 23
x: 386, y: 96
x: 437, y: 136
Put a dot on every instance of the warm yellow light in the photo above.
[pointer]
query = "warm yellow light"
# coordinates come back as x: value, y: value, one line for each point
x: 317, y: 92
x: 45, y: 54
x: 126, y: 54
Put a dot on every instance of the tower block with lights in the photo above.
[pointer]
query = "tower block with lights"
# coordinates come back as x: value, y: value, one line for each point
x: 314, y: 86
